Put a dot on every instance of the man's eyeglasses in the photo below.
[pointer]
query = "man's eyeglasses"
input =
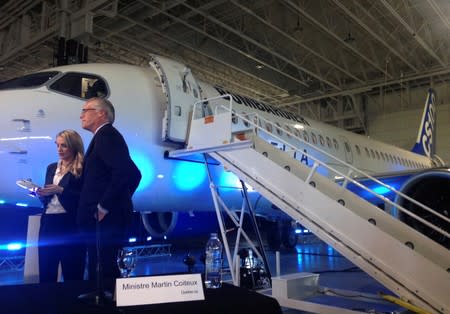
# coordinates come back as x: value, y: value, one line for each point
x: 87, y: 109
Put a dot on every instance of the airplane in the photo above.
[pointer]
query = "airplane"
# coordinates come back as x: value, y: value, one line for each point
x: 153, y: 106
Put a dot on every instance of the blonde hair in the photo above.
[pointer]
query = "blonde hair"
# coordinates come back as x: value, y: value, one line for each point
x: 75, y: 144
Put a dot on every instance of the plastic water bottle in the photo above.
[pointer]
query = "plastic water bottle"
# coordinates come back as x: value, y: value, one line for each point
x: 213, y: 262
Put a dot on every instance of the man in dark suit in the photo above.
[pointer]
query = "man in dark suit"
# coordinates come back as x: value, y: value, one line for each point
x: 109, y: 180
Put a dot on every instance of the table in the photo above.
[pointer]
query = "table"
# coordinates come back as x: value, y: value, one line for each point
x: 61, y: 298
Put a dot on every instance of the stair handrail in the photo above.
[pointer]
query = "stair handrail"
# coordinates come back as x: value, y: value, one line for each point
x: 255, y: 126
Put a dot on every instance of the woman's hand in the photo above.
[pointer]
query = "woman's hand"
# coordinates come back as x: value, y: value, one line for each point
x: 50, y: 189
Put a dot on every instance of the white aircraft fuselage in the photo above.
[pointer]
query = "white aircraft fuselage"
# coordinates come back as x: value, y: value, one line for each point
x: 33, y: 115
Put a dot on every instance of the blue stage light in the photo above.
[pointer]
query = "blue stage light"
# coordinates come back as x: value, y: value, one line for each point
x: 132, y: 240
x: 189, y: 175
x: 2, y: 202
x: 15, y: 246
x: 381, y: 190
x: 146, y: 167
x: 22, y: 204
x: 149, y: 238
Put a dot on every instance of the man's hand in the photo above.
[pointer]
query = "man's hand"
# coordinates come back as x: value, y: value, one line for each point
x: 101, y: 212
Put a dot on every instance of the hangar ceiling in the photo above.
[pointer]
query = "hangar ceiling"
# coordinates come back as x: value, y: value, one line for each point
x: 296, y: 54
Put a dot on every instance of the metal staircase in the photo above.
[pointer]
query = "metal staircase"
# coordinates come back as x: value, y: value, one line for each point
x: 405, y: 261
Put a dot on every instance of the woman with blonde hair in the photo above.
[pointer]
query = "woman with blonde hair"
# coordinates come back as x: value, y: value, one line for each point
x: 59, y: 241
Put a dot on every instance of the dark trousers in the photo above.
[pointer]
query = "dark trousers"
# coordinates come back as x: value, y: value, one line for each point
x: 59, y: 242
x: 111, y: 238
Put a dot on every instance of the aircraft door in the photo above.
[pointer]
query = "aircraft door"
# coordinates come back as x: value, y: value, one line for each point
x: 181, y: 90
x: 347, y: 149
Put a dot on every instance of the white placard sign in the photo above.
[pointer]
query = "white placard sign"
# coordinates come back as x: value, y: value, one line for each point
x: 159, y: 289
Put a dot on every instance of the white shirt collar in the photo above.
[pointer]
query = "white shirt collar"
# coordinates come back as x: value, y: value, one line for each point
x: 100, y: 127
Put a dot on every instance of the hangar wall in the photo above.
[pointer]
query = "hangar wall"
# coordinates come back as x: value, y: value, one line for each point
x: 396, y: 121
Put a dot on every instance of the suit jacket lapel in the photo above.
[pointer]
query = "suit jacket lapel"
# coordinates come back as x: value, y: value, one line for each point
x: 90, y: 147
x: 91, y: 144
x: 64, y: 180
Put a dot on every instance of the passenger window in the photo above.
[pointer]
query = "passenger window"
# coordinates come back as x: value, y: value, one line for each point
x: 246, y: 121
x: 278, y: 128
x: 314, y: 138
x: 372, y: 153
x: 289, y: 131
x: 328, y: 142
x: 234, y: 119
x: 305, y: 136
x: 269, y: 127
x: 358, y: 151
x: 367, y: 152
x: 255, y: 120
x: 382, y: 156
x: 378, y: 154
x: 81, y: 85
x: 336, y: 144
x: 347, y: 147
x: 391, y: 158
x: 321, y: 140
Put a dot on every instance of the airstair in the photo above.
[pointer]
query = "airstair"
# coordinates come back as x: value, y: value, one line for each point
x: 408, y: 263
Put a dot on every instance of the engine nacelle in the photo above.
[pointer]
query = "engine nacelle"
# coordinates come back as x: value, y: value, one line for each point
x: 430, y: 188
x: 160, y: 225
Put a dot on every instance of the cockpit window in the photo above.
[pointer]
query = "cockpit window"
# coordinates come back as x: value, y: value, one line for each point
x: 81, y: 85
x: 28, y: 81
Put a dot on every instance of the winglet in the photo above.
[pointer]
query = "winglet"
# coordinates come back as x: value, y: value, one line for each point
x: 425, y: 143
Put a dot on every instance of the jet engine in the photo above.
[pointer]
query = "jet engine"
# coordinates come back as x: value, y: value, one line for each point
x: 159, y: 224
x: 431, y: 188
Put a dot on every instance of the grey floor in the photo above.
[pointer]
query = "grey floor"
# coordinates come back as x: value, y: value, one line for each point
x: 310, y: 255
